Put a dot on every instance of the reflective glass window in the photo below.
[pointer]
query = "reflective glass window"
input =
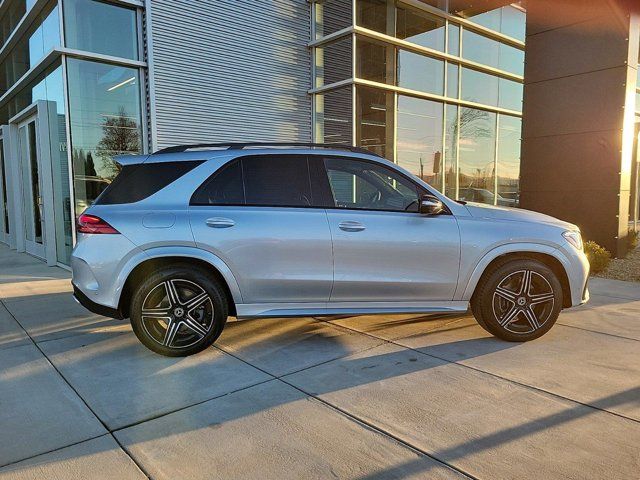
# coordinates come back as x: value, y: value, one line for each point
x: 334, y: 61
x: 450, y: 150
x: 419, y: 138
x: 333, y: 116
x: 510, y: 94
x: 373, y: 14
x: 373, y: 59
x: 419, y: 72
x: 477, y: 155
x: 374, y: 120
x: 453, y: 36
x: 105, y: 118
x: 487, y: 51
x: 101, y: 27
x: 479, y: 87
x: 43, y: 36
x: 331, y: 16
x: 453, y: 72
x: 509, y: 20
x: 419, y: 27
x: 509, y: 134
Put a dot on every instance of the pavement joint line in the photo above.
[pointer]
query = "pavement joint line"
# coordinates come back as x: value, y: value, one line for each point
x: 531, y: 387
x: 618, y: 297
x: 73, y: 389
x: 350, y: 415
x: 601, y: 333
x: 53, y: 450
x: 375, y: 428
x: 186, y: 407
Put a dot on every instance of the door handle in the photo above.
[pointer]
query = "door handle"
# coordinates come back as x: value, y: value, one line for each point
x: 219, y: 222
x: 351, y: 226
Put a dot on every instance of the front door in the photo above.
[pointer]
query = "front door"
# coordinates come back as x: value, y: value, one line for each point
x: 384, y: 250
x: 32, y: 188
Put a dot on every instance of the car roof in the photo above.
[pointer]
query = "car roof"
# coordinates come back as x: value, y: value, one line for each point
x: 227, y: 151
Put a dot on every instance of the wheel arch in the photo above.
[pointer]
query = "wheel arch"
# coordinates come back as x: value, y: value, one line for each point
x: 547, y: 255
x: 155, y: 259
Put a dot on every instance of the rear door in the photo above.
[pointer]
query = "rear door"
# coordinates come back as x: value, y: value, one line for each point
x: 258, y: 214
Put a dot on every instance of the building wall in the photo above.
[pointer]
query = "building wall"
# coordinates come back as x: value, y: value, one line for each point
x: 229, y: 70
x: 580, y: 72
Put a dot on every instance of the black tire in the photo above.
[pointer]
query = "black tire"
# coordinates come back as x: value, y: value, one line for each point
x: 173, y: 327
x: 502, y: 307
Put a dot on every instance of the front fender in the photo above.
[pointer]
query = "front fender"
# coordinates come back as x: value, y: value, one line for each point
x: 467, y: 286
x: 182, y: 251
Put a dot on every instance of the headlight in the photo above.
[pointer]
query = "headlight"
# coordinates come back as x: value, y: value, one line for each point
x: 574, y: 238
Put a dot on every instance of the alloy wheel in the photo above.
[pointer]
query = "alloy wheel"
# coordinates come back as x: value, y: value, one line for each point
x: 177, y: 313
x: 523, y: 302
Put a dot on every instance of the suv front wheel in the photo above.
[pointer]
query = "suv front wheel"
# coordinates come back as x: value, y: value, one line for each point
x: 179, y: 310
x: 518, y: 300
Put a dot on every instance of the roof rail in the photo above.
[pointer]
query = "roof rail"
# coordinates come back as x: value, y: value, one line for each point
x: 240, y: 146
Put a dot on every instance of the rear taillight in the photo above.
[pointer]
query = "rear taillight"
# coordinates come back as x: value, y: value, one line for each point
x: 93, y: 224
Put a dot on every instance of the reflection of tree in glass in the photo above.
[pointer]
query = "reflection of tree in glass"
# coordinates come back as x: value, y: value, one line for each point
x: 472, y: 124
x: 83, y: 163
x: 120, y: 134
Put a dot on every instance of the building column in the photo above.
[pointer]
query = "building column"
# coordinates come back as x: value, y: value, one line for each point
x: 578, y: 115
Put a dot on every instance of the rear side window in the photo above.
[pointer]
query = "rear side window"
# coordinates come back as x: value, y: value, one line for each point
x: 260, y: 180
x: 137, y: 182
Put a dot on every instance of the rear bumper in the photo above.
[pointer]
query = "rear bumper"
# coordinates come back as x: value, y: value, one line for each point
x: 94, y: 307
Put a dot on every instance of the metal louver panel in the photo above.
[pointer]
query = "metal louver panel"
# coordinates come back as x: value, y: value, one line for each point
x: 231, y: 70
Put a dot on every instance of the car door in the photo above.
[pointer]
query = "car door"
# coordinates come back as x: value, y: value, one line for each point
x: 257, y: 214
x: 383, y: 249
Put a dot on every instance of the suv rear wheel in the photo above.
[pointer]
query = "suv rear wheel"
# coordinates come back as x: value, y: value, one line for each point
x: 179, y: 310
x: 518, y: 300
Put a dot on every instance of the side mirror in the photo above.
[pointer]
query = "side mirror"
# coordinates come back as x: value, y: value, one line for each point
x: 430, y: 205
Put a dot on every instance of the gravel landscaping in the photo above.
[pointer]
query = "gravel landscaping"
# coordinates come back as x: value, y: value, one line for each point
x: 627, y: 268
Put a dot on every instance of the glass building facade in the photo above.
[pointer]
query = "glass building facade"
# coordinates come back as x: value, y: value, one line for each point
x: 81, y: 61
x: 436, y: 90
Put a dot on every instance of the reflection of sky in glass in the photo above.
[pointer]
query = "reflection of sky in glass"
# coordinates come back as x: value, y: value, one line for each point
x: 46, y: 37
x: 101, y: 27
x: 509, y: 146
x: 487, y: 51
x: 51, y: 88
x: 508, y: 20
x: 417, y: 72
x: 419, y: 136
x: 98, y: 92
x: 477, y: 148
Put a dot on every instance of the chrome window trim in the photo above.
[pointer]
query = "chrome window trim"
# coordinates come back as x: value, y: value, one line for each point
x: 412, y: 47
x: 415, y: 93
x: 461, y: 21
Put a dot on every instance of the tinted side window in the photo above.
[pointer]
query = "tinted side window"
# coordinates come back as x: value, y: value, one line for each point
x: 225, y: 187
x: 278, y: 180
x: 357, y: 184
x: 137, y: 182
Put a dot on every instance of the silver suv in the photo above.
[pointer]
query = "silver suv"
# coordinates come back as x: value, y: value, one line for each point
x: 185, y: 237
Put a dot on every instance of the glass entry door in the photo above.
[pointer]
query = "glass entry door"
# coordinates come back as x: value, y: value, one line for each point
x: 32, y: 191
x: 4, y: 197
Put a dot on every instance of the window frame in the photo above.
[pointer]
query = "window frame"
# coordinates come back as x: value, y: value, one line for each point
x: 321, y: 193
x: 420, y: 189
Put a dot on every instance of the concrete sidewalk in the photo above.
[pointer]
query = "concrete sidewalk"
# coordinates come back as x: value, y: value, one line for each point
x: 361, y: 397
